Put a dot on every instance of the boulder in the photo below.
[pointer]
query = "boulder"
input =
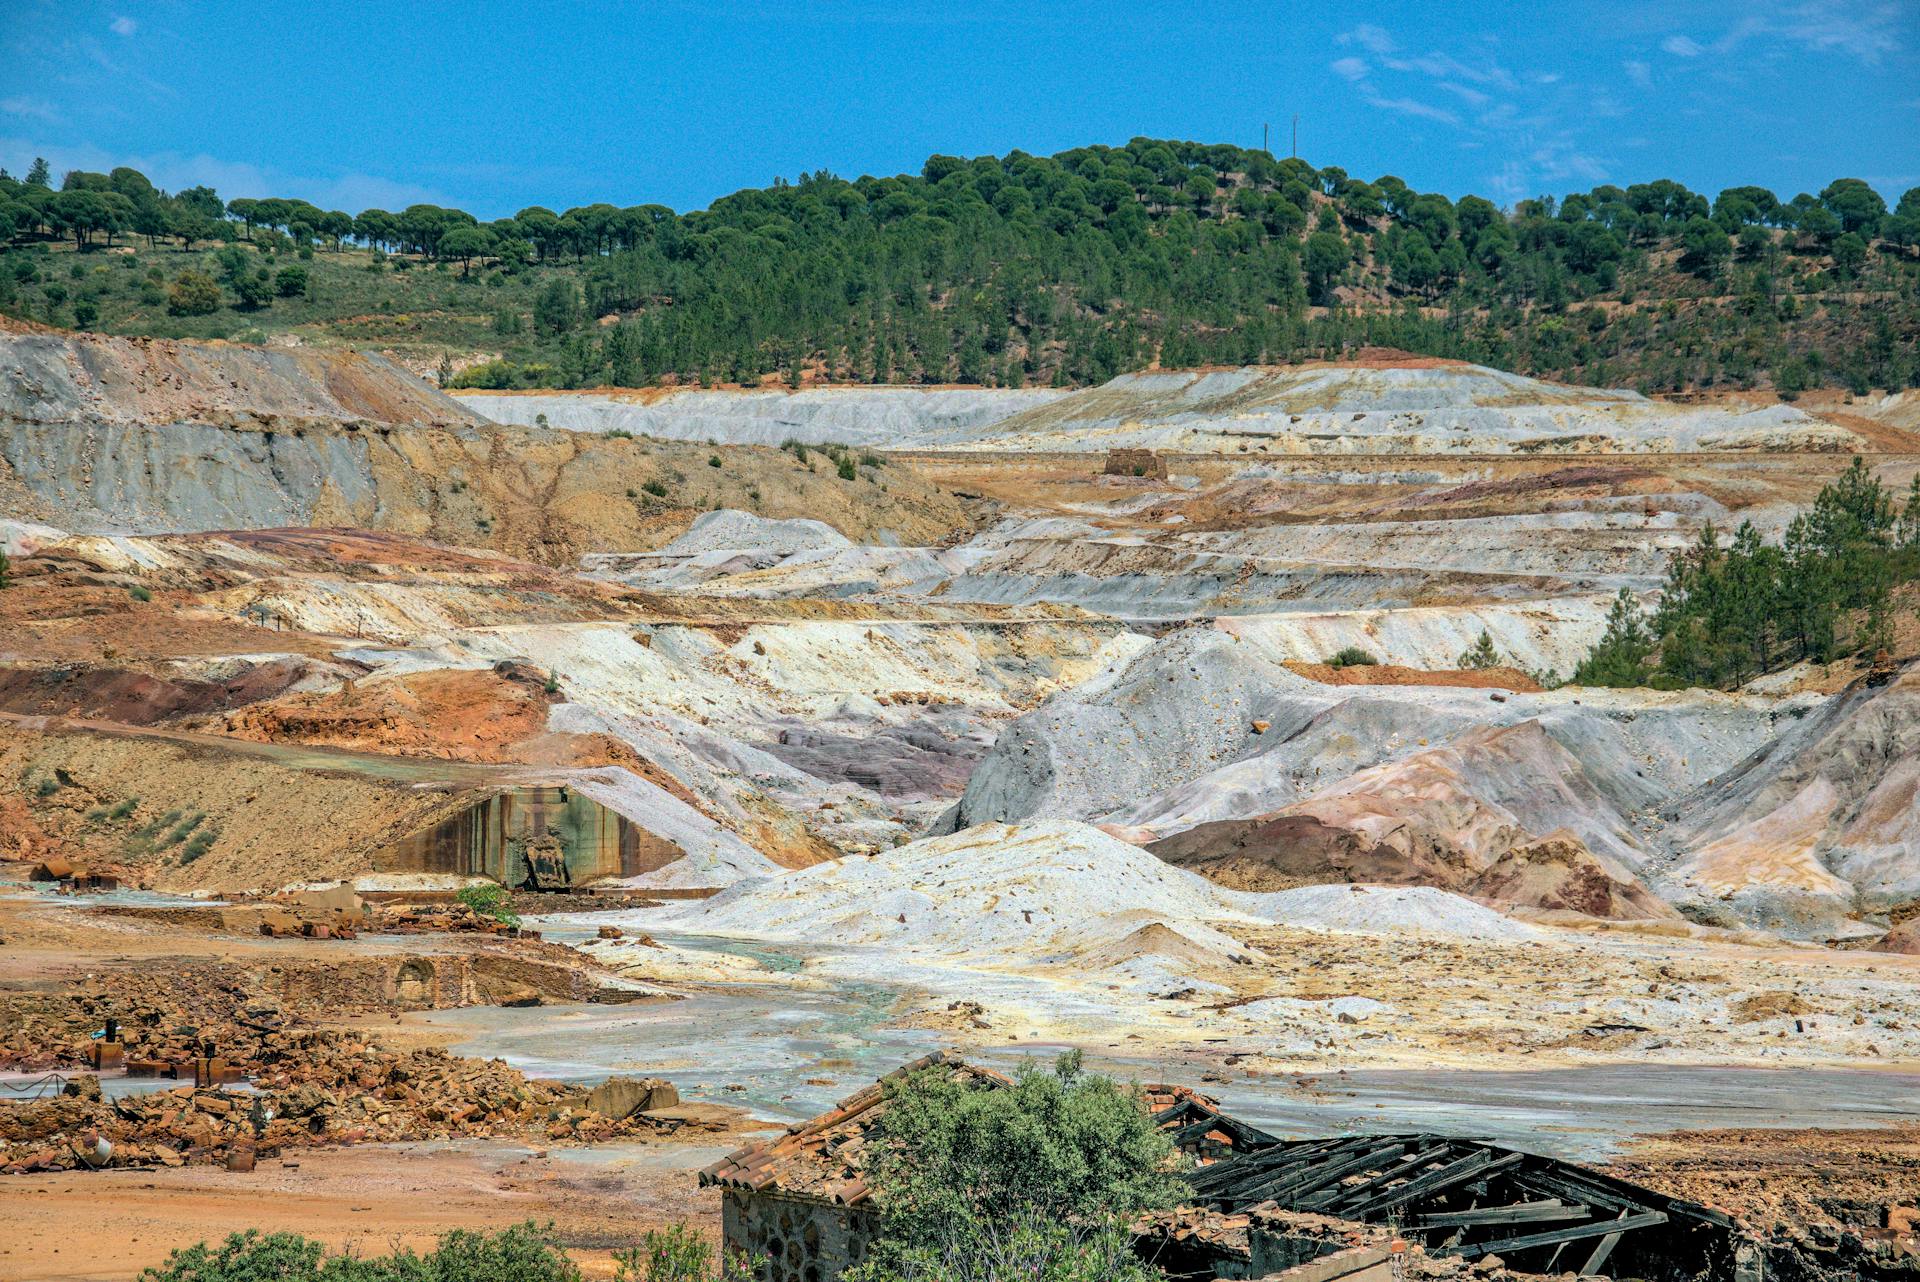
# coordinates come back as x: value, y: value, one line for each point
x: 622, y: 1097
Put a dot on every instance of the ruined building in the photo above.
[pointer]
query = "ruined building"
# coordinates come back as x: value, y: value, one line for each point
x: 799, y: 1206
x: 1135, y: 462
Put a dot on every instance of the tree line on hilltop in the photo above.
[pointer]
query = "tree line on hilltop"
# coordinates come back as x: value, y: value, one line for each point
x: 1067, y: 270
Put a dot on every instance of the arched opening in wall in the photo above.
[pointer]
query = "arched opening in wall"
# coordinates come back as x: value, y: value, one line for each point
x: 413, y: 983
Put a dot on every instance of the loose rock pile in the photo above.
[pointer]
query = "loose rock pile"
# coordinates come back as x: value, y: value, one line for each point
x: 310, y: 1086
x: 415, y: 919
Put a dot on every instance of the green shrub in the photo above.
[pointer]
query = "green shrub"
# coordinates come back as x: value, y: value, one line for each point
x: 193, y: 293
x: 846, y: 468
x: 655, y: 488
x: 489, y: 900
x: 291, y: 281
x: 618, y: 434
x: 678, y: 1254
x: 183, y: 830
x: 488, y: 376
x: 202, y: 842
x: 47, y: 786
x: 1351, y: 657
x: 139, y: 593
x: 713, y: 460
x: 120, y: 812
x: 1035, y: 1180
x: 154, y: 827
x: 524, y: 1253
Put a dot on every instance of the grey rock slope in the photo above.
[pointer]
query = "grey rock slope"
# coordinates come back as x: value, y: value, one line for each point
x: 898, y: 417
x: 1416, y: 407
x: 1208, y: 725
x: 1818, y: 824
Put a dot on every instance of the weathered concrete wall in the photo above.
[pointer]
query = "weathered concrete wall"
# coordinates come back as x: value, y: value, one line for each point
x: 506, y: 834
x: 791, y: 1239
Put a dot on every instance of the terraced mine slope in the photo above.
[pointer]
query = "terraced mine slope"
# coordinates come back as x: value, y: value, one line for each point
x: 1390, y: 404
x: 888, y: 417
x: 125, y: 435
x: 983, y: 743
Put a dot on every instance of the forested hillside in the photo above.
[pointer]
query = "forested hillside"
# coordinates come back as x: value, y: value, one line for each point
x: 1014, y: 270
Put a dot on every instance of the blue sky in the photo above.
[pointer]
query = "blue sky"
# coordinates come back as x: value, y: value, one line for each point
x: 493, y: 105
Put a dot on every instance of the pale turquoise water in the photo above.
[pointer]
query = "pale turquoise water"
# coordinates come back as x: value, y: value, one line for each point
x: 772, y: 1041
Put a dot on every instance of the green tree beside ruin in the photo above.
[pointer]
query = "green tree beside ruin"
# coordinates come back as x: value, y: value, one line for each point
x: 1036, y: 1180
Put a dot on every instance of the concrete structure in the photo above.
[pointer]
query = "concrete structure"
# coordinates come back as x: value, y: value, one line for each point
x: 542, y: 837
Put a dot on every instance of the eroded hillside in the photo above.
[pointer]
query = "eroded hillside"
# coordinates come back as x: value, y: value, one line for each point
x: 101, y: 434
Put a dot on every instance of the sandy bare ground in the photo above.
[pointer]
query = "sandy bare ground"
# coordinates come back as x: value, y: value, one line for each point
x: 112, y: 1224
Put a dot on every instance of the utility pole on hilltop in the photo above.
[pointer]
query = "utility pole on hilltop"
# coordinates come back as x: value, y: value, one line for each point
x: 1263, y: 139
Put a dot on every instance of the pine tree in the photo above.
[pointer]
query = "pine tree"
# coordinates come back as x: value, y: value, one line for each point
x: 1619, y: 658
x: 1481, y: 654
x: 1910, y: 518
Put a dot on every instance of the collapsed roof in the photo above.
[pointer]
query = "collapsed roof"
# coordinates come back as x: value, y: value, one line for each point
x: 1469, y: 1199
x: 1457, y: 1198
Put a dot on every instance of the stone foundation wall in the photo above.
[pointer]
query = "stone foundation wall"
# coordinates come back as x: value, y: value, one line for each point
x: 1136, y: 462
x: 790, y: 1239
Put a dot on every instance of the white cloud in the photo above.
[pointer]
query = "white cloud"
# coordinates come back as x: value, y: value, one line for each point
x: 1472, y: 97
x: 1528, y: 115
x: 1639, y: 73
x: 32, y: 109
x: 123, y: 26
x: 1413, y: 107
x: 1867, y: 32
x: 175, y: 171
x: 1371, y: 38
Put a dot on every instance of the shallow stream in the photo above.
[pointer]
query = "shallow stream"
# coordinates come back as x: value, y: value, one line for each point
x: 787, y: 1054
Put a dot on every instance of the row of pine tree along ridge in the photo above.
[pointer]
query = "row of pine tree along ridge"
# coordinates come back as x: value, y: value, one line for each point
x: 1017, y: 270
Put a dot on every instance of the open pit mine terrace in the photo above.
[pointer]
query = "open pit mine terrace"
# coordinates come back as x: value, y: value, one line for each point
x: 1023, y: 735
